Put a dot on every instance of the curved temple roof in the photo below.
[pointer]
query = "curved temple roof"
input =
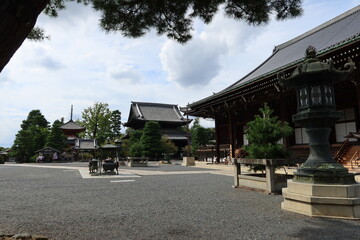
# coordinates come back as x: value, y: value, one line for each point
x: 142, y: 111
x: 71, y: 125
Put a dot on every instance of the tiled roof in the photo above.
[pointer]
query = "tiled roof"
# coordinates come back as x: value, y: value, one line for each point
x: 109, y: 146
x: 324, y: 38
x: 174, y: 134
x: 155, y: 112
x: 71, y: 125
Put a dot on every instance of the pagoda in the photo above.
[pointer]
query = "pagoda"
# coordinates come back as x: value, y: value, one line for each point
x: 71, y: 129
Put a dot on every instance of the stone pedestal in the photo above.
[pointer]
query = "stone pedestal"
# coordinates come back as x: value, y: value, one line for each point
x: 137, y: 162
x: 322, y: 200
x: 188, y: 161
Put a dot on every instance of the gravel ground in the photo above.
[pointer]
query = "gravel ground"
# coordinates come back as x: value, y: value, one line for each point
x: 60, y: 204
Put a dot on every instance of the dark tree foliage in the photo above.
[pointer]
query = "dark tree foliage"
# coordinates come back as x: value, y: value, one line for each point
x: 134, y: 18
x: 35, y: 118
x: 56, y: 138
x: 32, y: 136
x: 150, y: 140
x: 115, y: 124
x: 175, y: 18
x: 134, y: 136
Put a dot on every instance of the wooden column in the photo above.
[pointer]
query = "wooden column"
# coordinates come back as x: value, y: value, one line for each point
x: 217, y: 134
x: 284, y: 115
x: 357, y: 86
x: 231, y: 133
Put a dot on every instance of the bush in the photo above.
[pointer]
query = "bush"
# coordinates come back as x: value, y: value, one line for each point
x: 187, y: 151
x: 136, y: 150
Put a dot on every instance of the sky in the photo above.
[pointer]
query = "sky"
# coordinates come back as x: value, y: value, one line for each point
x: 81, y: 64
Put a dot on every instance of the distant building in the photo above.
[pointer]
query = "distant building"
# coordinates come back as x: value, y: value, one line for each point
x: 71, y: 130
x: 168, y: 116
x: 77, y: 145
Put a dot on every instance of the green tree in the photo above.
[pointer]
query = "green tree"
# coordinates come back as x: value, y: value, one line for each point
x: 32, y: 136
x: 150, y: 140
x: 200, y: 136
x: 168, y: 147
x: 115, y: 124
x: 136, y: 149
x: 97, y: 121
x: 134, y: 18
x: 134, y: 136
x: 56, y: 138
x: 263, y: 134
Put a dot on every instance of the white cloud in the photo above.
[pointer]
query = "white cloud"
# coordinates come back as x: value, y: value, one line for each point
x: 193, y: 64
x: 124, y: 74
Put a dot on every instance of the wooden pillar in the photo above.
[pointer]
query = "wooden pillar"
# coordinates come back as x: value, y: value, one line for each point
x: 284, y: 115
x: 357, y: 86
x: 217, y: 134
x: 231, y: 134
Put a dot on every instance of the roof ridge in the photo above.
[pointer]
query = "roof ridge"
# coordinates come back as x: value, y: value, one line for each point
x: 152, y: 103
x: 318, y: 28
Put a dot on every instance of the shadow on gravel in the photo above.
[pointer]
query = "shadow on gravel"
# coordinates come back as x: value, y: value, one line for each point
x: 323, y: 228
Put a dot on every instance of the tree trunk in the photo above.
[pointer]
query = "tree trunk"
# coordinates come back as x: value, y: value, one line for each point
x: 17, y: 18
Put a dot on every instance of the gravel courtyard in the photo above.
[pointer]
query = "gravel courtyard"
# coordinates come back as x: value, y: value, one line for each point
x: 61, y: 204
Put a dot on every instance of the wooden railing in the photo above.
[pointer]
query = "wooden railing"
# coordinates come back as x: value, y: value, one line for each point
x: 344, y: 146
x: 355, y: 159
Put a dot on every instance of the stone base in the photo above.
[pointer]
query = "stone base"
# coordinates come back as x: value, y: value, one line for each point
x: 137, y: 162
x: 188, y: 161
x: 322, y: 200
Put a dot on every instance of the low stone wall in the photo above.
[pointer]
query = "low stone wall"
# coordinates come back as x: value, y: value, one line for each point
x: 268, y: 182
x: 138, y: 161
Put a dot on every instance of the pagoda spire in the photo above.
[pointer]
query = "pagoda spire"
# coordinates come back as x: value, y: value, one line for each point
x: 71, y: 113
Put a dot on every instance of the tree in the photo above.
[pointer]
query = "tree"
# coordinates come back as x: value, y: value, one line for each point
x: 168, y: 147
x: 133, y: 18
x: 56, y: 138
x: 150, y: 140
x: 115, y: 124
x: 263, y: 134
x: 96, y: 119
x: 32, y: 136
x: 200, y: 136
x: 134, y: 137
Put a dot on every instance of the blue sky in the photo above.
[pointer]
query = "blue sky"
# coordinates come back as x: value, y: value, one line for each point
x: 81, y: 64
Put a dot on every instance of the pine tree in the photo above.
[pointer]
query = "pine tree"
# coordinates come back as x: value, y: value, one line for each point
x: 56, y: 138
x: 150, y: 140
x: 115, y: 124
x: 263, y: 134
x: 32, y: 136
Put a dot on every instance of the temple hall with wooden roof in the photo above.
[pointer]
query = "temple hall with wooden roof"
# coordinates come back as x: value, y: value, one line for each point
x: 168, y: 116
x: 339, y: 40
